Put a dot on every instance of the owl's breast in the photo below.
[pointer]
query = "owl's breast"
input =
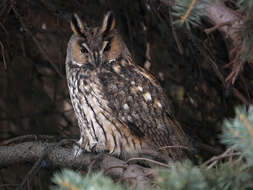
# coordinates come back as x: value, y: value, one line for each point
x: 96, y: 119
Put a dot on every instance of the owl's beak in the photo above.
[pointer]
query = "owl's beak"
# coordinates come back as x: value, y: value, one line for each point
x: 97, y: 59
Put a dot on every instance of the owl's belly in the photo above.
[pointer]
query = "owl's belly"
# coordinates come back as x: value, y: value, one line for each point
x: 100, y: 129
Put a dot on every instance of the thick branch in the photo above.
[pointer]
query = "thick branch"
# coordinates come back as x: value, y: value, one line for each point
x: 218, y: 14
x: 64, y: 157
x: 229, y: 24
x: 32, y: 151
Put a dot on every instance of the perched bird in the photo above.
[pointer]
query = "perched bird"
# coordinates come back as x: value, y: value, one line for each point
x: 120, y: 107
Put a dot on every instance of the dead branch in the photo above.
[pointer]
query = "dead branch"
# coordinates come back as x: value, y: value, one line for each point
x: 59, y: 156
x: 218, y: 14
x: 229, y: 23
x: 228, y: 153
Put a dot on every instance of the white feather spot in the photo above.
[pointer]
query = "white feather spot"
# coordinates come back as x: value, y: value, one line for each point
x: 126, y: 107
x: 129, y: 118
x: 112, y: 60
x: 159, y: 104
x: 140, y: 88
x: 44, y: 26
x: 147, y: 96
x: 132, y: 83
x: 76, y: 63
x: 116, y: 68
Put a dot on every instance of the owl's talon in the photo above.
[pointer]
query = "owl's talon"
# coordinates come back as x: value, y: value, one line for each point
x: 77, y: 150
x: 93, y: 146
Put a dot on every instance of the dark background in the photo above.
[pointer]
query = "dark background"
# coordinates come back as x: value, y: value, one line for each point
x: 33, y: 91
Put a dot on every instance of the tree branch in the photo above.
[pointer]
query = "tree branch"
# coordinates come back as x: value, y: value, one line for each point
x: 229, y: 23
x: 58, y: 156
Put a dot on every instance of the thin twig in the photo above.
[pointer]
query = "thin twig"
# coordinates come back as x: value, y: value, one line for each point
x: 149, y: 160
x: 178, y: 146
x: 228, y: 153
x: 4, y: 29
x: 188, y: 12
x: 3, y: 55
x: 113, y: 167
x: 215, y: 160
x: 240, y: 96
x: 216, y: 27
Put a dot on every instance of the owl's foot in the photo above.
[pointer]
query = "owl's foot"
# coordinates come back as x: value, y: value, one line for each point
x: 82, y: 145
x: 77, y: 148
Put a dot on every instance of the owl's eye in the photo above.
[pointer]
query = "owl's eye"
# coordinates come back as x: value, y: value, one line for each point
x: 83, y: 50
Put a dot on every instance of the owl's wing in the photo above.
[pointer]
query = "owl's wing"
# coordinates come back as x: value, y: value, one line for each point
x: 137, y: 99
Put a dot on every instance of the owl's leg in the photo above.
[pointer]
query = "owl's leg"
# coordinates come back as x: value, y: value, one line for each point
x: 86, y: 142
x: 82, y: 142
x: 84, y: 145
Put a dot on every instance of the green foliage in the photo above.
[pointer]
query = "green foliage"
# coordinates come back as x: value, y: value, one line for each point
x: 185, y: 176
x: 189, y: 12
x: 181, y: 176
x: 70, y: 180
x: 238, y: 133
x: 227, y: 175
x: 233, y: 175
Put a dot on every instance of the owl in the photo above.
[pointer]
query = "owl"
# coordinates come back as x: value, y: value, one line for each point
x: 121, y: 108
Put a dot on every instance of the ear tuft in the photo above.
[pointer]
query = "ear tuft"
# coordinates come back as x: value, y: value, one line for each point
x: 77, y: 25
x: 108, y: 23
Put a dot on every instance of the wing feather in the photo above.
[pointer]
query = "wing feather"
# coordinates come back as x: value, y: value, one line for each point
x: 137, y: 99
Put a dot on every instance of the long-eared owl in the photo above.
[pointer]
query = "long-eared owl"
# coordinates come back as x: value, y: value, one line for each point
x: 120, y: 107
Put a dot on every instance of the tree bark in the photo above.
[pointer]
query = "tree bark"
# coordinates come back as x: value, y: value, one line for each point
x: 57, y: 156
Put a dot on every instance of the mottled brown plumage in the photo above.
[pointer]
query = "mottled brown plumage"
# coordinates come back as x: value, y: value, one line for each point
x: 120, y: 107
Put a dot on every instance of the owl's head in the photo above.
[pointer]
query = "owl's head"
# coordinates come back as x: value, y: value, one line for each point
x: 96, y: 45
